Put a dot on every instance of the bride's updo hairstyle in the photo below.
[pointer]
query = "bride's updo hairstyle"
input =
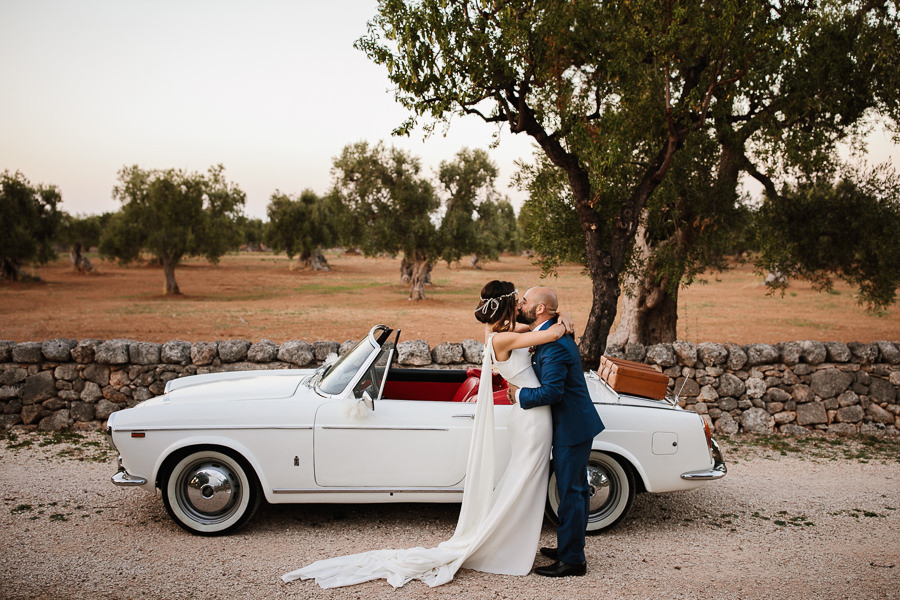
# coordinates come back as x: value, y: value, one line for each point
x: 497, y: 307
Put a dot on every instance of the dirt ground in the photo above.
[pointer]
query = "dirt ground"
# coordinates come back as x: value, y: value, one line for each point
x: 792, y: 520
x: 257, y: 295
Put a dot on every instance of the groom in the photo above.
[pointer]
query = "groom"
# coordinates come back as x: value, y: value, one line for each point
x: 575, y: 423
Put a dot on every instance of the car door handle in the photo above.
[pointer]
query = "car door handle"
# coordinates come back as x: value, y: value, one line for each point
x: 464, y: 416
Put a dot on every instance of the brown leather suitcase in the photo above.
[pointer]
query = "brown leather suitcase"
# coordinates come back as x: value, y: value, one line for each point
x: 629, y: 377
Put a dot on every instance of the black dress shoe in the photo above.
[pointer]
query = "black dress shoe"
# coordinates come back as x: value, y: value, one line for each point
x: 550, y: 553
x: 561, y: 569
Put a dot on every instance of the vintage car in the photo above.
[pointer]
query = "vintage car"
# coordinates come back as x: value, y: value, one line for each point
x: 361, y: 430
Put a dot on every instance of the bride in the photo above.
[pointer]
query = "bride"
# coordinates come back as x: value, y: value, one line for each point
x: 499, y: 526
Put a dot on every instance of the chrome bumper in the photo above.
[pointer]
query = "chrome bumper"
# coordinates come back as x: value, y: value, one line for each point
x: 717, y: 472
x: 126, y: 479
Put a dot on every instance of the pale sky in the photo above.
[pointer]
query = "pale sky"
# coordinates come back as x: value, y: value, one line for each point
x: 272, y: 89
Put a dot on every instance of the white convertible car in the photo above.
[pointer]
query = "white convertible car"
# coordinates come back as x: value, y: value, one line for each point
x: 361, y: 430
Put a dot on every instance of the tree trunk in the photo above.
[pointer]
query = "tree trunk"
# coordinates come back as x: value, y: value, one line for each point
x: 10, y: 269
x: 169, y: 271
x: 81, y: 262
x: 406, y: 270
x: 476, y: 262
x: 420, y: 274
x: 312, y: 261
x: 649, y: 312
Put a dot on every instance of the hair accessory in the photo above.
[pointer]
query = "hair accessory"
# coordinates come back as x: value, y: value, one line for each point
x: 494, y: 303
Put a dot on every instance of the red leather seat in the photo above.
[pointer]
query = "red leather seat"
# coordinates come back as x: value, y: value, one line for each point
x: 468, y: 391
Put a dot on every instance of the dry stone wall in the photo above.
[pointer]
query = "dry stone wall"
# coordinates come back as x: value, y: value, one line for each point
x: 792, y: 387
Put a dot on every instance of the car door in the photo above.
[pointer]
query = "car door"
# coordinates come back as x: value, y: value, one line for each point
x: 402, y: 443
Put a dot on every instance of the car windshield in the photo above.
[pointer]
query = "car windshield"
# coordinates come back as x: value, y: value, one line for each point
x: 345, y: 369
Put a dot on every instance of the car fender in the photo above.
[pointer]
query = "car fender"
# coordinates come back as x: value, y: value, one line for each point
x: 610, y: 448
x: 205, y: 439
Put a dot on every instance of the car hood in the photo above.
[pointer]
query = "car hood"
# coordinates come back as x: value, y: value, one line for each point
x: 202, y: 399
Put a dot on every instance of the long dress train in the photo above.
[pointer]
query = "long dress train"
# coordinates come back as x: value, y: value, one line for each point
x: 498, y: 527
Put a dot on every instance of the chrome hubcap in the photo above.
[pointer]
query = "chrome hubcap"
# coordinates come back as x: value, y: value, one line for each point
x: 210, y: 489
x: 599, y: 485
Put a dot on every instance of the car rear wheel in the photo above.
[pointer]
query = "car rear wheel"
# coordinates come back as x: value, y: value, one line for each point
x: 209, y: 492
x: 611, y: 486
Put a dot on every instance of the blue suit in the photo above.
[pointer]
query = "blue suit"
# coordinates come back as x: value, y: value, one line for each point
x: 575, y: 423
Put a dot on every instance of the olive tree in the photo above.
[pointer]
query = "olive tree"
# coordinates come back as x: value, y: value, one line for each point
x: 29, y: 218
x: 300, y: 227
x: 387, y: 206
x: 173, y: 214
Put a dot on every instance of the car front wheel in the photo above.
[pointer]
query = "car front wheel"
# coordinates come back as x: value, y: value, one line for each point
x: 209, y: 492
x: 611, y: 485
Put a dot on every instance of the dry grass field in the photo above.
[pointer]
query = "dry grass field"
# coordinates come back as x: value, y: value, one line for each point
x: 256, y: 295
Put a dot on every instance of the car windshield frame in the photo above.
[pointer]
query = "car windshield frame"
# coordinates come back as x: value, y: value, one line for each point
x: 344, y: 371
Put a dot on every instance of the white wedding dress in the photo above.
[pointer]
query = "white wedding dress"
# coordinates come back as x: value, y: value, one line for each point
x: 498, y: 527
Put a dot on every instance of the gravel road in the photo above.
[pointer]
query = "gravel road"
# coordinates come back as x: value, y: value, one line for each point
x: 793, y: 519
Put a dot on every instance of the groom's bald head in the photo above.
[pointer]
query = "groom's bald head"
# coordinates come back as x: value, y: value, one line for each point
x: 543, y: 295
x: 537, y: 305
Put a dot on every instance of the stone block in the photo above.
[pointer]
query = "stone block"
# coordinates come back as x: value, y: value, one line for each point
x: 143, y: 353
x: 635, y: 352
x: 38, y: 387
x: 850, y: 414
x: 414, y: 353
x: 756, y: 387
x: 83, y: 411
x: 85, y: 351
x: 263, y: 351
x: 889, y: 352
x: 204, y: 353
x: 112, y: 352
x: 864, y: 353
x: 473, y: 351
x: 879, y: 415
x: 12, y: 375
x: 6, y: 347
x: 175, y: 352
x: 232, y: 351
x: 58, y: 350
x: 882, y: 390
x: 98, y: 374
x: 447, y: 353
x: 27, y: 352
x: 761, y: 354
x: 811, y: 413
x: 813, y: 352
x: 726, y: 424
x: 784, y: 417
x: 322, y: 349
x: 662, y: 355
x: 830, y: 382
x: 757, y: 420
x: 296, y: 352
x: 711, y: 353
x: 837, y: 352
x: 685, y: 353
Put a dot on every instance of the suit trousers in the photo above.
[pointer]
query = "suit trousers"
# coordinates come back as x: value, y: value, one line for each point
x: 570, y: 467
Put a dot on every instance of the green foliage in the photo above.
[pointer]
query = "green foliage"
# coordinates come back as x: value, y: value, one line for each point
x: 612, y: 93
x: 80, y: 230
x: 173, y: 214
x: 548, y: 219
x: 476, y: 221
x: 29, y: 219
x: 299, y: 226
x: 848, y: 229
x: 253, y: 232
x: 385, y: 205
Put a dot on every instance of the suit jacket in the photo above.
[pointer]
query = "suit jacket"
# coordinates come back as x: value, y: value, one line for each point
x: 558, y: 368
